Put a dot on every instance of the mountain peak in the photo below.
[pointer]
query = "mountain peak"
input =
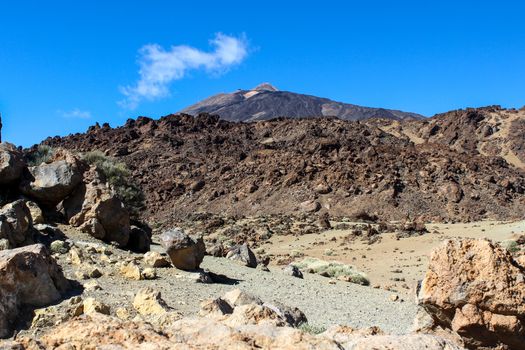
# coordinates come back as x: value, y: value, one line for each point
x: 265, y: 87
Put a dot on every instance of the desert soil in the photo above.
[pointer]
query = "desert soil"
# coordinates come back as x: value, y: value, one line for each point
x: 393, y: 266
x: 390, y: 264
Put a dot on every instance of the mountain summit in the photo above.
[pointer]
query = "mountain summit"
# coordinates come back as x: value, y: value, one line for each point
x: 265, y: 101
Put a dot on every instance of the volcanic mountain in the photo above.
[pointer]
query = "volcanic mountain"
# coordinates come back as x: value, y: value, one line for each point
x: 266, y: 102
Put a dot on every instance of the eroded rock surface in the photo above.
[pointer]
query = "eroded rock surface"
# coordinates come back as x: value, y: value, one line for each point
x: 29, y: 276
x: 475, y: 289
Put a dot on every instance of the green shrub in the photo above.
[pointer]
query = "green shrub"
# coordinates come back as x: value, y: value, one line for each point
x: 42, y: 154
x: 119, y: 177
x: 510, y: 245
x: 333, y: 269
x: 308, y: 328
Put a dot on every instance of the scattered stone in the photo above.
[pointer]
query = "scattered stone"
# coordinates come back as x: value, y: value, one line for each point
x: 122, y: 313
x: 293, y: 316
x: 155, y: 259
x: 149, y: 302
x: 293, y: 271
x: 131, y: 271
x: 215, y: 308
x: 243, y: 254
x: 92, y: 286
x: 394, y: 297
x: 149, y: 273
x: 92, y: 305
x: 237, y: 297
x: 185, y: 252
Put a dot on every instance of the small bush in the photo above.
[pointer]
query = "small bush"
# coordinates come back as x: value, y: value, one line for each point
x: 308, y: 328
x: 510, y: 245
x: 333, y: 269
x: 296, y: 254
x: 42, y: 154
x: 119, y: 177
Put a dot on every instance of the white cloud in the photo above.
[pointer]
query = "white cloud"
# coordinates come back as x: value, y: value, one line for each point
x: 160, y: 67
x: 76, y: 114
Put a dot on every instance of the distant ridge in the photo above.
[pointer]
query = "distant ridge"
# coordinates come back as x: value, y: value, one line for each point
x: 265, y: 102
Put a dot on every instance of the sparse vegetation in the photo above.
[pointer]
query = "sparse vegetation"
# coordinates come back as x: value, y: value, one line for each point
x: 308, y: 328
x: 510, y: 245
x: 119, y: 177
x: 42, y: 154
x: 333, y: 269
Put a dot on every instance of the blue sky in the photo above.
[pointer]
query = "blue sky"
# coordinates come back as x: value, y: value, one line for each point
x: 65, y: 65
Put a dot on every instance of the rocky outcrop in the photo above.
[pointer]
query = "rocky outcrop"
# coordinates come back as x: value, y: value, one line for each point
x: 50, y: 183
x: 95, y: 208
x: 28, y: 277
x: 185, y: 252
x: 476, y: 290
x: 285, y: 166
x: 11, y: 164
x: 100, y: 331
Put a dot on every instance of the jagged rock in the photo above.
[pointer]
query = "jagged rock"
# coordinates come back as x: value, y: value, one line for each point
x: 28, y: 276
x: 475, y: 289
x: 293, y: 271
x: 51, y: 183
x: 155, y: 259
x: 55, y: 314
x: 100, y: 331
x: 185, y: 252
x: 95, y: 209
x: 131, y: 271
x: 215, y: 308
x: 293, y: 316
x: 91, y: 305
x: 237, y: 297
x: 16, y: 223
x: 149, y: 302
x: 253, y: 314
x: 243, y: 254
x: 11, y: 164
x: 139, y: 240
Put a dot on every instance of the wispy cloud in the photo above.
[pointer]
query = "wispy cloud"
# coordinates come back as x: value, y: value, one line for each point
x: 75, y: 114
x: 160, y: 67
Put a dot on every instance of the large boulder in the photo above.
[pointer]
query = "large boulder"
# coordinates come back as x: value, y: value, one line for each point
x: 16, y: 223
x: 476, y: 290
x: 50, y: 183
x: 29, y: 276
x: 11, y: 164
x: 185, y: 252
x: 95, y: 208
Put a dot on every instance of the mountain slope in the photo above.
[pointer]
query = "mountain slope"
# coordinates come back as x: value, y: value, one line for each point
x: 266, y: 102
x: 187, y: 165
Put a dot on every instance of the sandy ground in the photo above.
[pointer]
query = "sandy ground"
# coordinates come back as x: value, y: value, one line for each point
x: 391, y: 264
